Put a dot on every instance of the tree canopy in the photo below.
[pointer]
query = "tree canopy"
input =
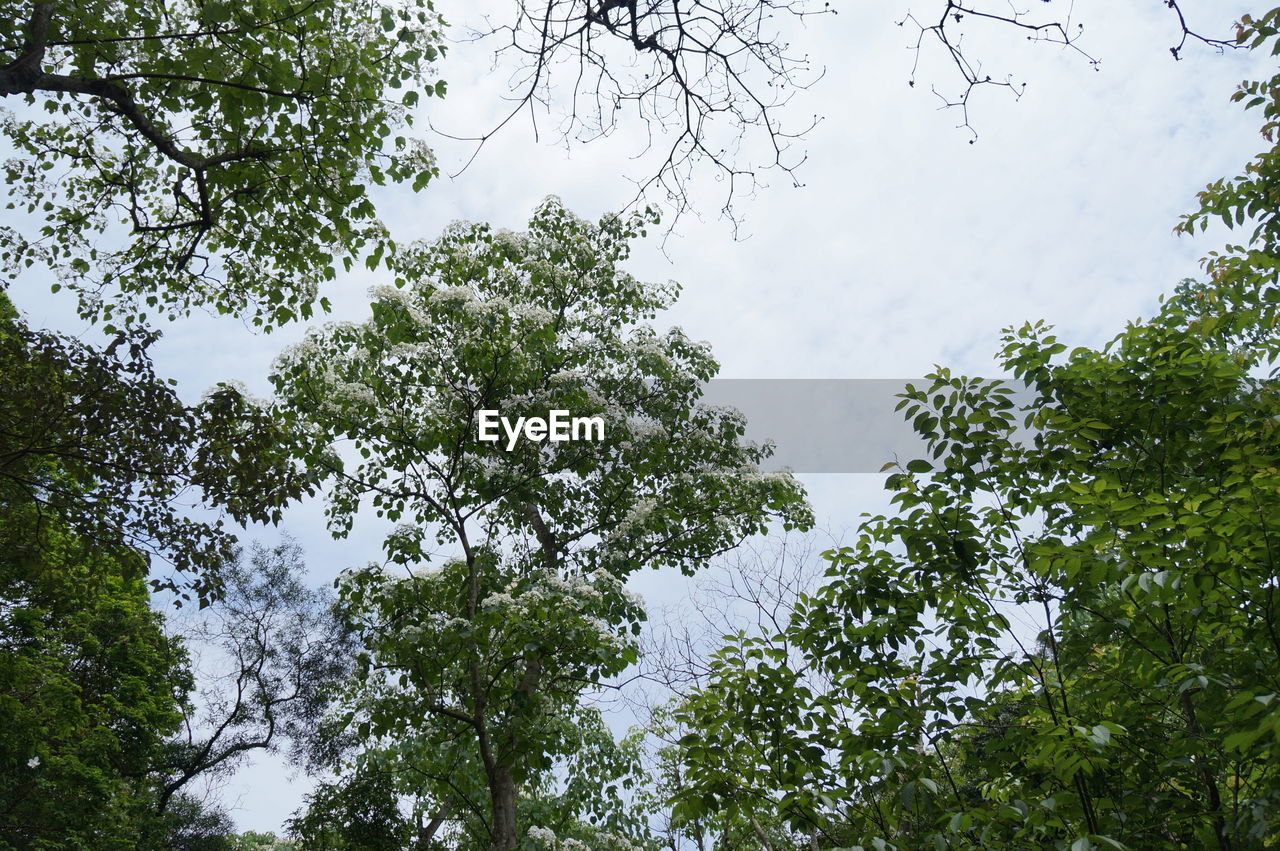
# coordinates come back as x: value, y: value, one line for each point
x: 90, y: 685
x: 1065, y: 635
x: 512, y: 603
x: 208, y: 153
x: 109, y: 452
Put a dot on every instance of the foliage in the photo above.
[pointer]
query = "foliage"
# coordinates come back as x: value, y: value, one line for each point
x: 105, y: 447
x: 360, y: 810
x: 383, y: 799
x: 472, y: 663
x: 1243, y: 276
x: 1066, y: 637
x: 254, y: 841
x: 190, y: 824
x: 89, y: 685
x: 221, y: 150
x: 752, y: 594
x: 1133, y: 524
x: 589, y: 799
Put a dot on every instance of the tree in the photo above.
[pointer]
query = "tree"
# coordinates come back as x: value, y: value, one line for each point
x: 1067, y: 634
x: 89, y: 686
x: 102, y: 741
x: 271, y: 652
x: 1134, y: 532
x: 253, y: 841
x: 472, y: 661
x: 384, y: 798
x: 191, y: 824
x: 360, y: 810
x: 223, y: 149
x: 752, y: 596
x: 107, y: 451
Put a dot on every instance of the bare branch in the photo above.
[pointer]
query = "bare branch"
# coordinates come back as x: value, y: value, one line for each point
x: 710, y: 81
x: 713, y: 77
x: 948, y: 32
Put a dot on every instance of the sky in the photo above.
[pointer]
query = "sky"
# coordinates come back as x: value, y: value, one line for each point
x: 906, y: 246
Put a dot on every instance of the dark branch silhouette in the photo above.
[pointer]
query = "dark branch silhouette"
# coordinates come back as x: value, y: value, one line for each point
x: 947, y: 31
x: 711, y: 80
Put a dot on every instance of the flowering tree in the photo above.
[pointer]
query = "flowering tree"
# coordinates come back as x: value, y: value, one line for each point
x: 514, y: 554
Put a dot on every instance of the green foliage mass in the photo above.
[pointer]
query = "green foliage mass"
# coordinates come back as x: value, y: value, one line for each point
x: 1068, y: 634
x: 208, y: 153
x: 89, y: 686
x: 107, y: 449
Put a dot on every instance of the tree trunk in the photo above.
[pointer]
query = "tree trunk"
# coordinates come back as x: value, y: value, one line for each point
x: 502, y: 789
x: 427, y: 830
x: 1207, y: 777
x: 502, y: 785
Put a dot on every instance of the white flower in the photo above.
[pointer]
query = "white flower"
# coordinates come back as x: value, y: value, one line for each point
x: 387, y: 292
x: 354, y: 391
x: 567, y: 375
x: 493, y: 601
x: 456, y: 293
x: 534, y: 313
x: 542, y: 836
x: 644, y: 428
x: 639, y: 512
x: 34, y: 762
x: 239, y: 388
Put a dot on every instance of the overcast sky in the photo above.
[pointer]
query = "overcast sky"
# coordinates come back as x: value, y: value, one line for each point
x: 906, y: 247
